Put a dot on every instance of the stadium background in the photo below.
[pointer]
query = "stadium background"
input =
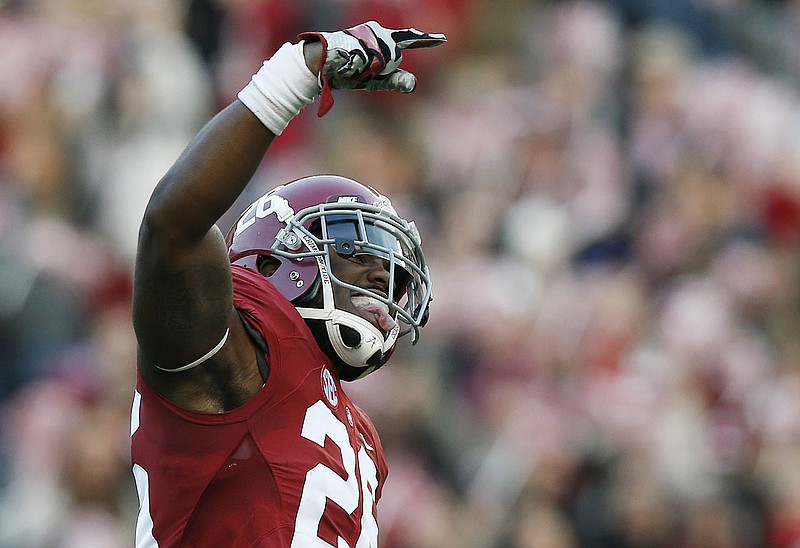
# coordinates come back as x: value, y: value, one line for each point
x: 609, y: 195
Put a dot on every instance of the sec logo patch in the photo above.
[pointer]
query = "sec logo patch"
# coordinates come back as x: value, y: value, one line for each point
x: 329, y: 388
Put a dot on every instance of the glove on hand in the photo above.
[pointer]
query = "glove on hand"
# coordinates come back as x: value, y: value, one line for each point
x: 367, y: 57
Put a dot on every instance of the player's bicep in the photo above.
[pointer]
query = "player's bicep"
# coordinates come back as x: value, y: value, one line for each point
x: 183, y: 296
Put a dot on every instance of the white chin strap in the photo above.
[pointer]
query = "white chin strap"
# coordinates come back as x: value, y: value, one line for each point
x: 370, y: 338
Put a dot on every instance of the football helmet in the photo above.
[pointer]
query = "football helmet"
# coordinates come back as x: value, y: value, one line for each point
x: 298, y: 226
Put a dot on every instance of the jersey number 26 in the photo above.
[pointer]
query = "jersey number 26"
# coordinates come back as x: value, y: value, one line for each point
x: 322, y: 483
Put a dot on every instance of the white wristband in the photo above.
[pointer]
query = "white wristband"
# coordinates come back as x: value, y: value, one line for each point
x: 281, y: 88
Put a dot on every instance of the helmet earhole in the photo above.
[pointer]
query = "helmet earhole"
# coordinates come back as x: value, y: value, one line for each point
x: 267, y: 265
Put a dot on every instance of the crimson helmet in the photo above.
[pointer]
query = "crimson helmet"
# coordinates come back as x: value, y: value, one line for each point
x: 299, y: 224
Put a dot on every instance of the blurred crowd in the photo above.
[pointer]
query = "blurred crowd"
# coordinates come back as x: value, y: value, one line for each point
x: 609, y: 197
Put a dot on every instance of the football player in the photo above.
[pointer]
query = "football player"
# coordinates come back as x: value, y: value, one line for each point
x: 241, y: 432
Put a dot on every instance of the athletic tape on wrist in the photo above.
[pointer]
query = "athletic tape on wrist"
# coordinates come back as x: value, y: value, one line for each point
x: 281, y: 88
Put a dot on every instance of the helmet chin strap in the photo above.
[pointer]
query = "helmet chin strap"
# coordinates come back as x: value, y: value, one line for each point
x: 371, y: 339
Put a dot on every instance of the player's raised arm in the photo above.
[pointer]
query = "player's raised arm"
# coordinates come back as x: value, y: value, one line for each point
x: 183, y: 293
x: 183, y: 310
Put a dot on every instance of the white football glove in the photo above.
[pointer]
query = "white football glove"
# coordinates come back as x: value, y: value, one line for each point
x: 367, y: 57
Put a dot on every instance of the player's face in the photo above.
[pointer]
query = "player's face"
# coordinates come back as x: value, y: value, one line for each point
x: 369, y: 272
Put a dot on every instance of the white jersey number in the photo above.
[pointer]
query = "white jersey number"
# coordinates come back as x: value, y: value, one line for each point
x: 324, y: 484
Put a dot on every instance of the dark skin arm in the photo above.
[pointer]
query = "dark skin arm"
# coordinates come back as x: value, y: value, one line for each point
x: 183, y: 294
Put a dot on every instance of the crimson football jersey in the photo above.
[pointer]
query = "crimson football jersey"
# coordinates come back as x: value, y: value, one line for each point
x: 299, y: 465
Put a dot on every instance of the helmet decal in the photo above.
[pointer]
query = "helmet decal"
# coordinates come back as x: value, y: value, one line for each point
x: 268, y: 204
